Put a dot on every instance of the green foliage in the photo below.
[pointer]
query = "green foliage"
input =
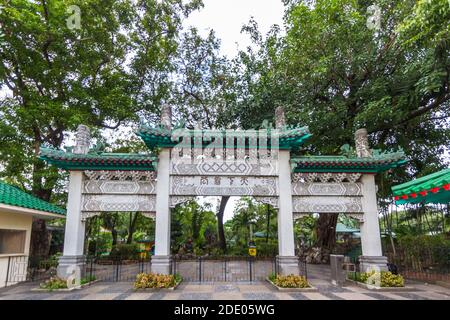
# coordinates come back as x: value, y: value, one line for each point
x: 156, y: 281
x: 194, y: 223
x: 113, y: 68
x: 125, y: 251
x: 266, y: 249
x: 334, y: 74
x: 289, y: 281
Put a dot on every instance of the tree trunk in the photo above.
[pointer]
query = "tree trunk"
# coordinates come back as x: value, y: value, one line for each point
x: 40, y: 239
x: 114, y: 236
x: 326, y: 230
x: 220, y: 229
x: 132, y: 226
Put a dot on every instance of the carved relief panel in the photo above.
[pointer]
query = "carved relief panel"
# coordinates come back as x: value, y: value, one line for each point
x: 221, y: 186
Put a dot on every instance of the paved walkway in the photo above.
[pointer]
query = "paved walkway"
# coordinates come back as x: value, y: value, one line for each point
x: 318, y: 276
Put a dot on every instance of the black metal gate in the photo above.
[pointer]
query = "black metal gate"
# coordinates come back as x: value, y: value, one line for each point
x: 116, y: 269
x: 228, y: 269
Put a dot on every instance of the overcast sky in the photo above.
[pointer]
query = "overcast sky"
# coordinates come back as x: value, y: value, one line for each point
x: 226, y: 18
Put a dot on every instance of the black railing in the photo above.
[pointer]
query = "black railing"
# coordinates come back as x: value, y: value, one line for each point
x: 228, y: 269
x: 116, y: 269
x: 428, y: 264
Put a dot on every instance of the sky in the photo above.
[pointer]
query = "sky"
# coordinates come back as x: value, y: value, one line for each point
x: 226, y: 18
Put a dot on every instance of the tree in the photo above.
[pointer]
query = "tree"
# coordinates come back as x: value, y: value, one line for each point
x: 335, y: 74
x: 107, y: 72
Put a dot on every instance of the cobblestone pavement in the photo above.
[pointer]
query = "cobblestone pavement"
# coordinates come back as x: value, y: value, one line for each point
x: 318, y: 276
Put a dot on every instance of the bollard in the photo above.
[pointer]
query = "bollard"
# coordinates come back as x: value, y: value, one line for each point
x: 337, y: 272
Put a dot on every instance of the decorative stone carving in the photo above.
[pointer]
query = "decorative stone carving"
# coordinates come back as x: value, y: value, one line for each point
x: 176, y: 200
x: 121, y: 175
x: 83, y: 140
x: 273, y: 201
x: 166, y: 116
x: 118, y: 187
x: 220, y: 186
x: 356, y: 216
x: 362, y: 144
x: 326, y: 189
x: 280, y: 117
x: 87, y: 215
x: 310, y: 177
x: 123, y: 203
x: 217, y: 167
x: 321, y: 204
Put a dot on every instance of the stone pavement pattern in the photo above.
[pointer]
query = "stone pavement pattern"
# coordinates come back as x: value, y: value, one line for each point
x: 317, y: 275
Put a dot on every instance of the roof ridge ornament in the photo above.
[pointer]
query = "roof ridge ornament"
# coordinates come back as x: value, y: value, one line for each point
x: 166, y: 117
x: 362, y: 144
x: 280, y: 117
x: 83, y: 140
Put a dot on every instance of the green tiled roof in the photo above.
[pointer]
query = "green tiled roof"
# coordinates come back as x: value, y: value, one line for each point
x: 15, y: 197
x: 289, y: 138
x: 433, y: 188
x: 377, y: 163
x: 98, y: 161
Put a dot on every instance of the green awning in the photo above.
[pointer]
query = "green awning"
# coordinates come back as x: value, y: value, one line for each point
x: 433, y: 188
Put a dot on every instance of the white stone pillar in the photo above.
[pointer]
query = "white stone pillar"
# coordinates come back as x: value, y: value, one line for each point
x: 161, y: 261
x: 370, y: 229
x: 287, y: 261
x: 73, y: 259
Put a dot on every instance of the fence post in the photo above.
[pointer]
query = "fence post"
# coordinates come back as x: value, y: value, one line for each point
x: 200, y: 269
x: 225, y: 268
x: 90, y: 271
x: 250, y: 266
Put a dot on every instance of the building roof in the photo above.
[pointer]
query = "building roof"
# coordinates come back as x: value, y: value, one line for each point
x: 377, y: 163
x: 342, y: 228
x: 433, y: 188
x: 289, y: 138
x: 13, y: 196
x: 98, y: 160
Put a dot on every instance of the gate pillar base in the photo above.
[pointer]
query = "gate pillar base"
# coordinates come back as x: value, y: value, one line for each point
x: 71, y: 265
x: 368, y: 263
x: 288, y: 265
x: 162, y: 264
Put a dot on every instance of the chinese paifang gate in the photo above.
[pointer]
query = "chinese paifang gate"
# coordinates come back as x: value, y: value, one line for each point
x: 191, y: 163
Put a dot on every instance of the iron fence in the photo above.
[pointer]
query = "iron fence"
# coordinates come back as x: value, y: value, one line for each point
x: 426, y: 264
x: 228, y: 269
x: 116, y: 269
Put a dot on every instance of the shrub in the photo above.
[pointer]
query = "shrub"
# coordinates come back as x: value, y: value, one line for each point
x: 125, y: 251
x: 387, y: 279
x: 55, y: 283
x: 290, y: 281
x: 156, y: 281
